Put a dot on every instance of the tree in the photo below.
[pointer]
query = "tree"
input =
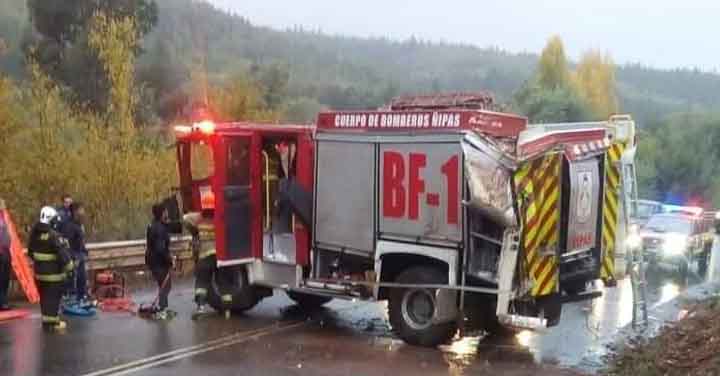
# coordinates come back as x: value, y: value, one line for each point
x: 552, y: 70
x: 594, y: 79
x: 239, y: 99
x: 274, y: 80
x: 542, y: 105
x: 61, y: 47
x: 65, y: 20
x: 302, y: 110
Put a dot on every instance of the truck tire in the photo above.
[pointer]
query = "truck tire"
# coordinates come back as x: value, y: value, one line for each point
x: 232, y: 281
x: 412, y: 309
x: 308, y: 302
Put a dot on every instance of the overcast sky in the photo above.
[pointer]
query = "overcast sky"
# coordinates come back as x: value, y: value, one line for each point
x: 660, y: 33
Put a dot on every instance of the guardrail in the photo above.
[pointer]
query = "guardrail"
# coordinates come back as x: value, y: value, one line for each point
x: 126, y: 255
x: 129, y: 254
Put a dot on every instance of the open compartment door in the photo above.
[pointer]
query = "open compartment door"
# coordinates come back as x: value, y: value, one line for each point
x: 236, y: 187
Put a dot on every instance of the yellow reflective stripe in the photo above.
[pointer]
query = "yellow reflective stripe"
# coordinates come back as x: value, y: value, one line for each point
x: 226, y: 298
x: 50, y: 319
x: 41, y: 256
x: 200, y: 291
x: 50, y: 277
x: 207, y: 253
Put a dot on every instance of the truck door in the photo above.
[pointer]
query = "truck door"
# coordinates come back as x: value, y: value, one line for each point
x: 236, y: 188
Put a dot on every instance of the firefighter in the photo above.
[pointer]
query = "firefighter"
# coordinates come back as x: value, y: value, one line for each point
x: 52, y: 262
x: 201, y: 226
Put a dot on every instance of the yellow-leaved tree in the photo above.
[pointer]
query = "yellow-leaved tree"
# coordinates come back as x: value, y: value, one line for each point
x: 552, y: 71
x: 594, y: 80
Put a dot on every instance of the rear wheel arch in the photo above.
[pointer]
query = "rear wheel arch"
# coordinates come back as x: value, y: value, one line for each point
x: 393, y: 264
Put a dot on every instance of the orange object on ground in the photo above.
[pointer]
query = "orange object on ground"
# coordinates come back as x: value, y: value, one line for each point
x: 20, y: 264
x: 13, y: 314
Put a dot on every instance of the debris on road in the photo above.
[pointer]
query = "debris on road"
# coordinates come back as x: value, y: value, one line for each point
x: 686, y: 347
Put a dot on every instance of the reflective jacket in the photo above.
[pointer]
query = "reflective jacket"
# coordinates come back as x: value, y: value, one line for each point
x: 203, y: 233
x: 50, y: 254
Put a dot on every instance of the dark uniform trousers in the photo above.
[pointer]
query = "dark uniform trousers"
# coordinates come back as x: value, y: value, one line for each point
x: 51, y: 263
x: 206, y: 267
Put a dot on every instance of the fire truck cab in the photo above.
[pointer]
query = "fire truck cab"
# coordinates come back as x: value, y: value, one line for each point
x: 460, y: 217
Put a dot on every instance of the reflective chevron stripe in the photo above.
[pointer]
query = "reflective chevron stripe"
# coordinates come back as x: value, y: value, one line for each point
x: 611, y: 209
x: 537, y: 184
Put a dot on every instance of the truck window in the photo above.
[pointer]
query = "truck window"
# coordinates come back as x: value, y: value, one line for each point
x: 238, y: 173
x: 201, y: 165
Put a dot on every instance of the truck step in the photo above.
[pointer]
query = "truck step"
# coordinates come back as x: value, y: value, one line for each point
x: 523, y: 322
x: 580, y: 297
x: 327, y: 293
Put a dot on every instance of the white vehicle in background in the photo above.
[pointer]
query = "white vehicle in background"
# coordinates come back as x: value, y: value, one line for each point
x: 677, y: 240
x: 642, y: 210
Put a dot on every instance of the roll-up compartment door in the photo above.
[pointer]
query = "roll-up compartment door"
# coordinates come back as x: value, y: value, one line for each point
x: 345, y: 200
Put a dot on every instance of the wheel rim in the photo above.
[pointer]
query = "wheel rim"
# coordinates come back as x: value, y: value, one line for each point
x: 418, y: 308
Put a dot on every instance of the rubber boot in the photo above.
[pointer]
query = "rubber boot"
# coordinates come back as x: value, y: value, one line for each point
x: 58, y: 327
x: 200, y: 311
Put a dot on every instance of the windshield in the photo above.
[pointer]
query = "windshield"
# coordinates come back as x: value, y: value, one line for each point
x: 670, y: 224
x: 645, y: 210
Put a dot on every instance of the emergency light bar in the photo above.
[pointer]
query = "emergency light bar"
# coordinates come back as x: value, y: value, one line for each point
x: 206, y: 127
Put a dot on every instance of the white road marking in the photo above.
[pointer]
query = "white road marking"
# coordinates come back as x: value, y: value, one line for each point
x: 230, y: 340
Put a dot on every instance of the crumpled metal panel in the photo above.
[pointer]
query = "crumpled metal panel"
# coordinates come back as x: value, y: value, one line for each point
x: 488, y: 171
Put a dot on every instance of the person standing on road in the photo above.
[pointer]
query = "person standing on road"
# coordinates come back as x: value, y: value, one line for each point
x: 5, y: 259
x: 51, y: 261
x: 158, y: 257
x: 74, y: 231
x: 65, y: 210
x: 202, y: 229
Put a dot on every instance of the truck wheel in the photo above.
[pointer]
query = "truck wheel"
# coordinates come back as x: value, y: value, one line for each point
x: 232, y: 281
x: 412, y: 309
x: 308, y: 302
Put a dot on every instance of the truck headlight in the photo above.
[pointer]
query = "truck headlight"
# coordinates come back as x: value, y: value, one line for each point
x: 633, y: 241
x: 675, y: 244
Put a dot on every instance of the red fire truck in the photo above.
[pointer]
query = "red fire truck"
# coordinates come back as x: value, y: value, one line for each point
x: 458, y: 216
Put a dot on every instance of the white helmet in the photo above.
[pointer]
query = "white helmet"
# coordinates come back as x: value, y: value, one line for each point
x: 47, y: 214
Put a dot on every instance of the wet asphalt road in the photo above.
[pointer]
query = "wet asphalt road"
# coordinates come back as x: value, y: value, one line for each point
x: 346, y: 338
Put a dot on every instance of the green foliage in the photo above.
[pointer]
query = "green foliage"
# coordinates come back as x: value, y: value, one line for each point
x: 62, y: 49
x: 100, y: 158
x: 543, y: 105
x: 679, y: 158
x: 240, y: 99
x: 302, y: 110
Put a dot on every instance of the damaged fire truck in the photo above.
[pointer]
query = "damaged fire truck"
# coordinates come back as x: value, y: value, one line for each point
x: 459, y: 217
